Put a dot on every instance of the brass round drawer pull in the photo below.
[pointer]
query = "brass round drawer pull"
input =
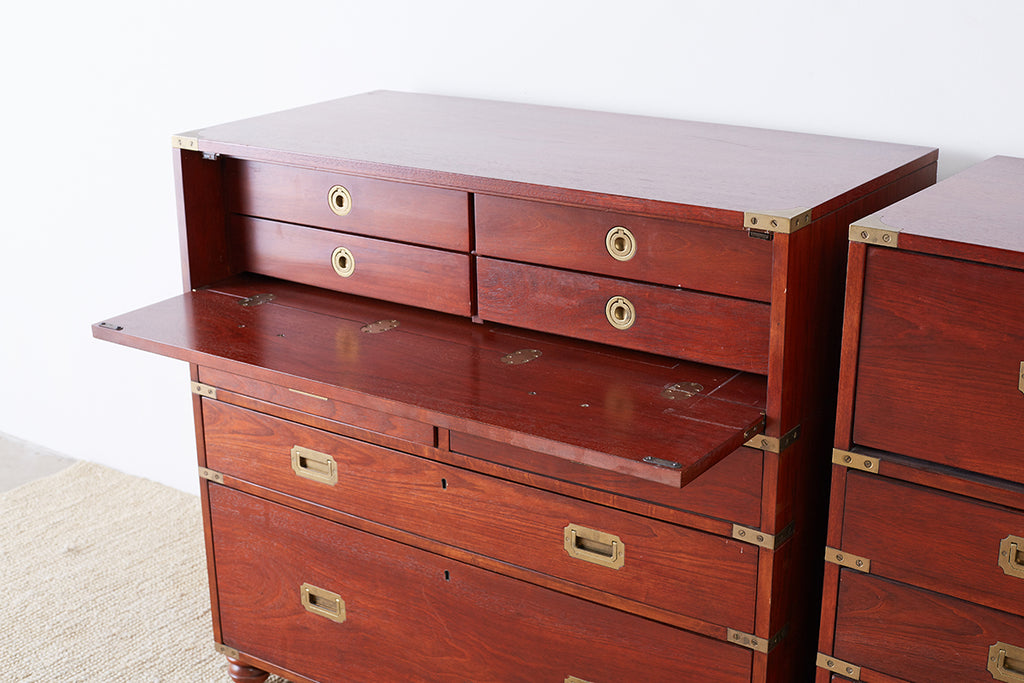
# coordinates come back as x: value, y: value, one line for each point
x: 620, y: 243
x: 620, y: 312
x: 343, y: 262
x: 340, y: 200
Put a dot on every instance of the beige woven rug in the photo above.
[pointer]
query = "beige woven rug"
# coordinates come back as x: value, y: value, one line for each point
x: 103, y: 578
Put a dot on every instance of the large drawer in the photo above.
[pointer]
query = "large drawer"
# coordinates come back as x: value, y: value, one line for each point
x: 965, y: 548
x: 381, y: 611
x: 916, y: 635
x: 381, y: 208
x: 666, y: 566
x: 685, y: 255
x: 940, y: 372
x: 675, y: 322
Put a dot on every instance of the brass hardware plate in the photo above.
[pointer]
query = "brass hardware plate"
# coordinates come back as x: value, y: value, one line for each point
x: 211, y: 475
x: 1006, y: 663
x: 760, y: 538
x: 848, y: 560
x: 753, y: 642
x: 682, y: 390
x: 594, y: 546
x: 521, y: 356
x: 1011, y: 556
x: 871, y: 230
x: 322, y: 602
x: 661, y: 462
x: 838, y: 666
x: 786, y: 222
x: 379, y: 326
x: 204, y: 390
x: 257, y: 300
x: 111, y: 326
x: 620, y: 243
x: 225, y: 650
x: 185, y: 142
x: 307, y: 394
x: 343, y: 262
x: 340, y: 200
x: 314, y: 465
x: 620, y: 312
x: 774, y: 444
x: 1020, y: 382
x: 855, y: 461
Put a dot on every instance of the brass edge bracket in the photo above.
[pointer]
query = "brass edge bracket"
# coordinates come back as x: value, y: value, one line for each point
x: 848, y: 560
x: 204, y: 390
x: 211, y: 475
x: 871, y: 230
x: 774, y: 444
x: 855, y: 461
x: 838, y: 666
x: 185, y: 142
x: 787, y: 222
x: 225, y: 650
x: 760, y: 538
x: 756, y: 643
x: 1020, y: 384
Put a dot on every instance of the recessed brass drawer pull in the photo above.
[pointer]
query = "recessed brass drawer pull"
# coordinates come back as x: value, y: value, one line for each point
x: 621, y: 312
x: 340, y: 200
x: 594, y: 546
x: 314, y: 465
x: 1011, y: 556
x: 1006, y: 663
x: 323, y: 602
x: 620, y: 243
x: 343, y: 262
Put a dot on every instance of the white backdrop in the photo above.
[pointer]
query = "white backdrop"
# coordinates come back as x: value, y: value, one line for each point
x: 93, y: 91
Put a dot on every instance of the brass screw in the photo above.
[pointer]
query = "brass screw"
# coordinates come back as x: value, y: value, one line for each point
x: 847, y: 458
x: 753, y: 220
x: 775, y: 224
x: 863, y: 234
x: 867, y: 464
x: 887, y: 237
x: 860, y: 563
x: 742, y: 533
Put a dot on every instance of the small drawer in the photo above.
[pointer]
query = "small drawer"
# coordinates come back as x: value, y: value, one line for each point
x: 940, y: 372
x: 401, y: 273
x: 380, y: 208
x: 892, y: 629
x: 684, y: 255
x: 936, y: 540
x: 702, y: 327
x: 669, y: 567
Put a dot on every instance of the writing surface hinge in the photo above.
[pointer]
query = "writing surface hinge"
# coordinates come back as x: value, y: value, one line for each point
x: 211, y: 475
x: 185, y: 142
x: 774, y: 444
x: 204, y: 390
x: 225, y: 650
x: 855, y: 461
x: 838, y: 666
x: 787, y: 221
x: 760, y: 538
x: 871, y: 230
x: 848, y: 560
x: 756, y: 643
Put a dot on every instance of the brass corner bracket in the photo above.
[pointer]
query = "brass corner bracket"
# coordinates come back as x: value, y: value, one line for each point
x: 756, y: 643
x: 848, y: 560
x: 762, y: 539
x: 872, y: 230
x: 787, y: 221
x: 185, y: 142
x: 226, y: 651
x: 838, y: 666
x: 855, y: 461
x: 774, y: 444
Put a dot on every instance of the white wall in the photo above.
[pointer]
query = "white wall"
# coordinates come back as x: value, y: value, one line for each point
x: 93, y: 91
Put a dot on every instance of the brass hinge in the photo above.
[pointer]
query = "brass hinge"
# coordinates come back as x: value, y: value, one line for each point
x: 760, y: 538
x: 788, y: 221
x: 838, y: 666
x: 225, y: 650
x: 256, y: 299
x: 856, y: 461
x: 185, y: 142
x: 204, y: 390
x: 755, y: 643
x: 871, y: 230
x: 848, y: 560
x: 211, y: 475
x: 775, y: 444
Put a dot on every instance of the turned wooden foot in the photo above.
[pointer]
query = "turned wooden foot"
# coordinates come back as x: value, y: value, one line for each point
x: 243, y: 672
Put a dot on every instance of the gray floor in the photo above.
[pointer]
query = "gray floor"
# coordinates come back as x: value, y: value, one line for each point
x: 22, y: 462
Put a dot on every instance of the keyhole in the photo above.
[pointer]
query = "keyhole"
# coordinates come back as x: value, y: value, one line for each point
x: 444, y: 483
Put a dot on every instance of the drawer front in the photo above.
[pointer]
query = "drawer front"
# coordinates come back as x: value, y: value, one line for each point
x: 631, y: 247
x: 701, y: 327
x: 918, y: 635
x: 380, y: 208
x: 939, y: 375
x: 666, y: 566
x: 928, y: 538
x: 402, y: 273
x: 413, y: 616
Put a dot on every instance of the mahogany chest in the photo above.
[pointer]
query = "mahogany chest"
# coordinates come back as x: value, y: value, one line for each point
x: 925, y: 560
x: 488, y: 391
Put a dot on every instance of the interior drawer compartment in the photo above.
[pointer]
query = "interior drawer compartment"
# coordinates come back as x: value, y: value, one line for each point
x: 940, y: 371
x: 666, y: 566
x: 936, y: 540
x: 391, y: 210
x: 669, y: 253
x: 674, y: 322
x: 334, y: 603
x: 921, y: 636
x: 402, y: 273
